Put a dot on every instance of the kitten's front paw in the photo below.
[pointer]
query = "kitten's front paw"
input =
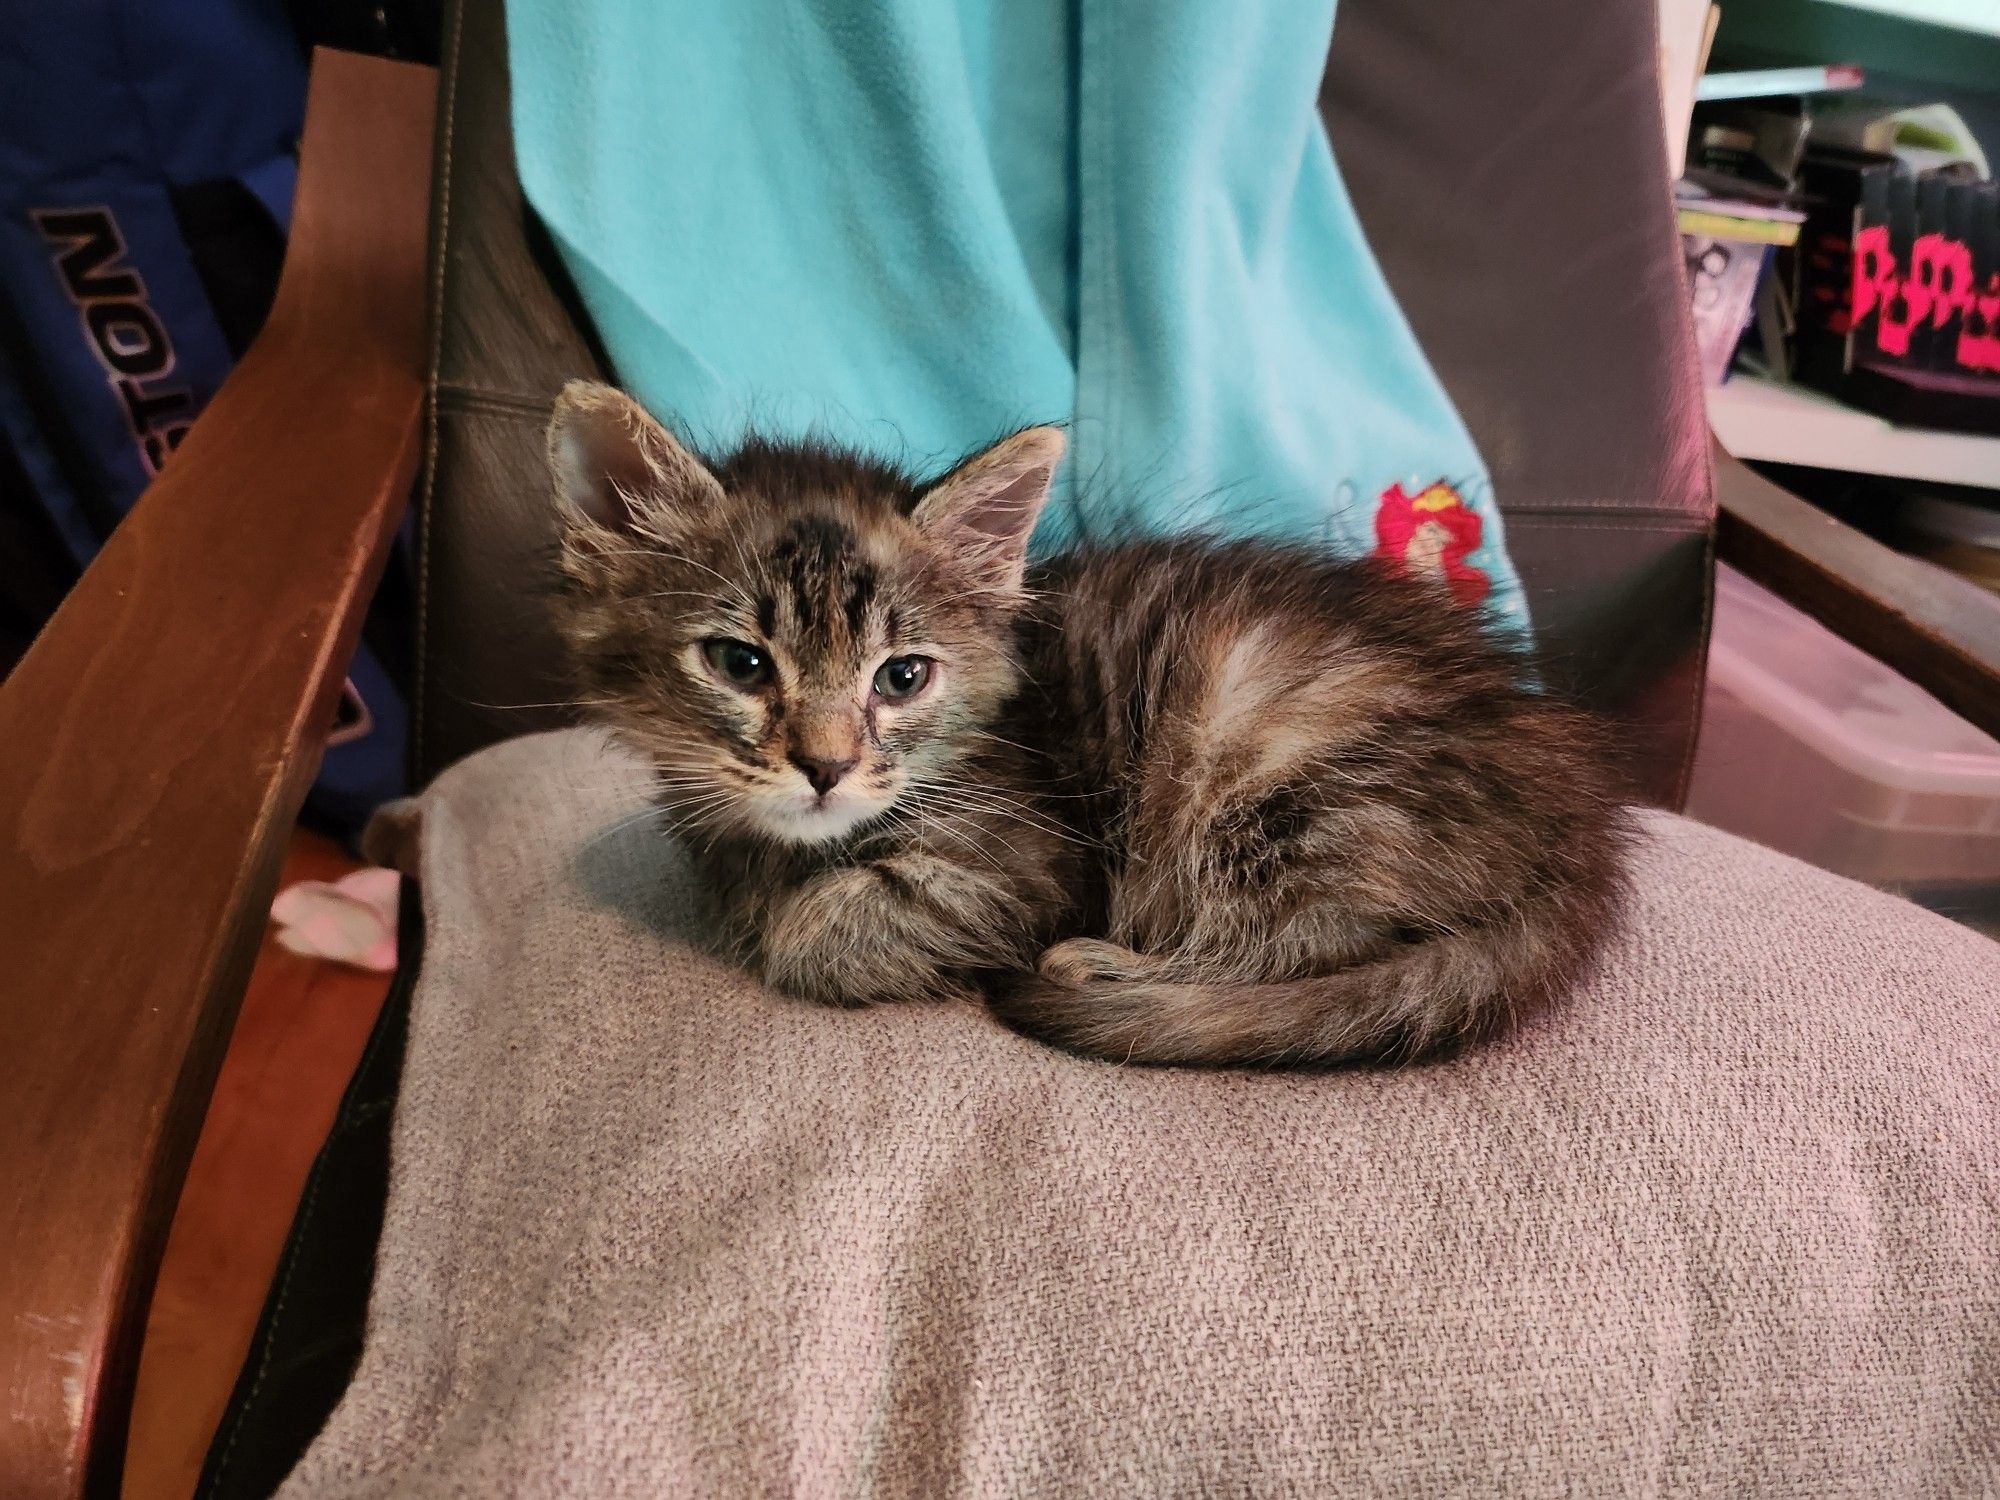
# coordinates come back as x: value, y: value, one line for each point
x: 844, y: 940
x: 1086, y: 961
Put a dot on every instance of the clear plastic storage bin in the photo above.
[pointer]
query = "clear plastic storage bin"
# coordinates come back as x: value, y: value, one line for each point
x: 1812, y: 746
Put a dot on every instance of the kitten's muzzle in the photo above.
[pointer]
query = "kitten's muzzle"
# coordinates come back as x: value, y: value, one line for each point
x: 822, y: 775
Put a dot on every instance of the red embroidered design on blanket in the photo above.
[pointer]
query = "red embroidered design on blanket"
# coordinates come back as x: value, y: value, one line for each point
x: 1432, y: 532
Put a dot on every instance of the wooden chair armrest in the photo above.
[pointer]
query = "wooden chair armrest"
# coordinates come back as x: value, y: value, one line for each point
x: 159, y: 737
x: 1937, y: 629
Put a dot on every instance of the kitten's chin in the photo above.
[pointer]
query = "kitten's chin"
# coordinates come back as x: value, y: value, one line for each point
x: 806, y: 822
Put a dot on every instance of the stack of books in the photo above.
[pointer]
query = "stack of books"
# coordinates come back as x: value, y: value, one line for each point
x: 1728, y: 240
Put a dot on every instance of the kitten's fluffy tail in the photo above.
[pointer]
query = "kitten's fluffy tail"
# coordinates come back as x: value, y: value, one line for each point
x: 1424, y: 999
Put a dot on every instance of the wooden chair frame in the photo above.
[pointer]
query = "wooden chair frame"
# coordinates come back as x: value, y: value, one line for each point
x: 159, y: 737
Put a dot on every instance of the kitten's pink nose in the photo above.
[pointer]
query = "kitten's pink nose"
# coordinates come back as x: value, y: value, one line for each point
x: 822, y: 775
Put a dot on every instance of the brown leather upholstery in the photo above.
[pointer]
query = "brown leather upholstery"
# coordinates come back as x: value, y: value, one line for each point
x: 1520, y: 211
x: 508, y: 334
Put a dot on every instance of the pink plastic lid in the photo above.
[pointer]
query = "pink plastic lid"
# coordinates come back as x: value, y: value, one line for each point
x: 1842, y: 702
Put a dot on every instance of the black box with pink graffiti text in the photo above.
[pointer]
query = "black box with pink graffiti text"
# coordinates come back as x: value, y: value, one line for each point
x: 1896, y: 288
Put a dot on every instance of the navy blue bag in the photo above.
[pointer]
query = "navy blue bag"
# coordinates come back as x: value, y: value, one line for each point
x: 148, y: 154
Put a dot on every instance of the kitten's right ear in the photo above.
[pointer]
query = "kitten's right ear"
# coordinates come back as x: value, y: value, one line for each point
x: 984, y: 509
x: 617, y: 467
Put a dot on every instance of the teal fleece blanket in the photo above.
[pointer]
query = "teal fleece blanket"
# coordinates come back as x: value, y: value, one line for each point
x: 913, y: 225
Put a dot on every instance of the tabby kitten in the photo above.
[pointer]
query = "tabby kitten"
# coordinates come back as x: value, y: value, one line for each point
x: 1172, y: 801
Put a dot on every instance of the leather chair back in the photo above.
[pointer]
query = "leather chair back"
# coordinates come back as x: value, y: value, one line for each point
x: 1519, y: 208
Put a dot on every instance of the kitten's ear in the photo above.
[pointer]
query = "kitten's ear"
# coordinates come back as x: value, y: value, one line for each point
x: 984, y: 509
x: 618, y: 467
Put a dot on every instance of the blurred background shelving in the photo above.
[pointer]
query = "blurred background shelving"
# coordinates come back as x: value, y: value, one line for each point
x: 1760, y: 420
x: 1809, y: 744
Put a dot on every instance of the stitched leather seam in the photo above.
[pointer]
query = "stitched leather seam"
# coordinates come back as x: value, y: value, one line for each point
x: 1657, y: 525
x: 1697, y: 695
x: 419, y: 715
x: 504, y: 403
x: 277, y: 1317
x: 1563, y: 504
x: 351, y: 1113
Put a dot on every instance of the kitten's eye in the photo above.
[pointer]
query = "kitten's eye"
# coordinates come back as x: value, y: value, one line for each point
x: 738, y: 663
x: 902, y: 676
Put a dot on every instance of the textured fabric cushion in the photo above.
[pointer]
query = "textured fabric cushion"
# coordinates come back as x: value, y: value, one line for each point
x: 1728, y: 1222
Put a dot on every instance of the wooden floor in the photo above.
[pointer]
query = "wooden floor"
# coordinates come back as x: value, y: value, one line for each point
x: 296, y: 1043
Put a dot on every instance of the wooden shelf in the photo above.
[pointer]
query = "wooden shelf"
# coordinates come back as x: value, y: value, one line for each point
x: 1788, y: 424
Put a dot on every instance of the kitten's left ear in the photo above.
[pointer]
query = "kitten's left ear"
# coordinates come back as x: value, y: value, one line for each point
x: 618, y: 467
x: 984, y: 509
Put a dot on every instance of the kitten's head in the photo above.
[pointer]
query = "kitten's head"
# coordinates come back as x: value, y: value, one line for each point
x: 797, y: 638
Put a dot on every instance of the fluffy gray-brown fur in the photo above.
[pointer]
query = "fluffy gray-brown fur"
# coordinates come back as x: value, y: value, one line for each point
x: 1171, y: 801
